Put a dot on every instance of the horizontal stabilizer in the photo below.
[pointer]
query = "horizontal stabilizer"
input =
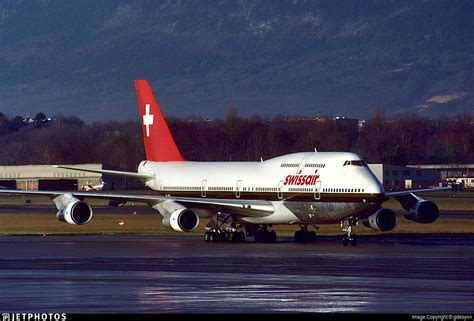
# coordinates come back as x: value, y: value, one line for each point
x: 108, y: 172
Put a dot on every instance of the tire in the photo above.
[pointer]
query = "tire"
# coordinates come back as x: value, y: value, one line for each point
x: 304, y: 236
x: 206, y: 237
x: 222, y: 236
x: 298, y: 238
x: 345, y: 240
x: 272, y: 236
x: 354, y: 240
x: 257, y: 237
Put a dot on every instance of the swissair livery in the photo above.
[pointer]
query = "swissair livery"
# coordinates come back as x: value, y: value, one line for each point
x: 246, y: 198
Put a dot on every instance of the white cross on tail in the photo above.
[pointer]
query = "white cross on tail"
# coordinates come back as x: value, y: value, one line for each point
x: 147, y: 119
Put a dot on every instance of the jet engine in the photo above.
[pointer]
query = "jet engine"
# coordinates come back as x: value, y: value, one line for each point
x: 423, y: 212
x: 382, y: 220
x: 76, y: 213
x: 182, y: 220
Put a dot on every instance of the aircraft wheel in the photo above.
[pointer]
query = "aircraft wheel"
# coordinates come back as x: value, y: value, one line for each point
x: 212, y: 237
x: 345, y: 240
x: 235, y: 237
x: 258, y: 237
x: 265, y: 236
x: 221, y: 236
x: 298, y: 237
x: 353, y: 240
x: 261, y: 236
x: 207, y: 236
x: 272, y: 236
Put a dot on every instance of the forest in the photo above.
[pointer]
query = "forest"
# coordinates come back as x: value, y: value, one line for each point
x: 400, y: 140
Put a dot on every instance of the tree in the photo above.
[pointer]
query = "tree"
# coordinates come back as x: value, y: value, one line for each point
x: 16, y: 124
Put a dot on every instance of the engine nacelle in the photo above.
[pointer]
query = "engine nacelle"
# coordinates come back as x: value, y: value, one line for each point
x: 423, y: 212
x: 182, y: 220
x: 382, y: 220
x: 76, y: 213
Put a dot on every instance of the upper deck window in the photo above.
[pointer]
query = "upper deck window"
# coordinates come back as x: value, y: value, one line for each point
x: 315, y: 165
x: 289, y: 165
x: 356, y: 163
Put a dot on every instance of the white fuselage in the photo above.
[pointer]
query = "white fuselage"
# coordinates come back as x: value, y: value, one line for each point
x: 309, y: 188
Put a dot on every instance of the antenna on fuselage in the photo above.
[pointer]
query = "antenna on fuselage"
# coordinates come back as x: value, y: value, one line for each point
x: 261, y: 159
x: 315, y: 150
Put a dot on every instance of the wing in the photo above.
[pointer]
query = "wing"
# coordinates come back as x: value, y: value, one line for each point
x: 408, y: 198
x: 255, y: 208
x: 417, y: 191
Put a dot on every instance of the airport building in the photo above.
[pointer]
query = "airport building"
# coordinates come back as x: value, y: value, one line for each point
x: 461, y: 174
x: 395, y: 177
x: 46, y: 177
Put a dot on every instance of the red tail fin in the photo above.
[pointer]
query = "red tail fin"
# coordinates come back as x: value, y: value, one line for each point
x: 159, y: 144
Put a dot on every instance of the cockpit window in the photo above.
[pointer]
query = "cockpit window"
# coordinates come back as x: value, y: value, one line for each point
x: 361, y: 163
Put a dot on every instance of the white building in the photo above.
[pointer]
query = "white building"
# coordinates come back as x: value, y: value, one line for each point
x: 46, y: 177
x: 462, y: 174
x: 395, y: 177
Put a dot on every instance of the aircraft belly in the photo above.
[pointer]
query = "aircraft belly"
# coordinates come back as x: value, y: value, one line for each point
x: 281, y: 215
x: 328, y: 212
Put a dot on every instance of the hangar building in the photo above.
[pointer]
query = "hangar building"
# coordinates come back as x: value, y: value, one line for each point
x: 46, y: 177
x: 462, y: 174
x: 395, y: 177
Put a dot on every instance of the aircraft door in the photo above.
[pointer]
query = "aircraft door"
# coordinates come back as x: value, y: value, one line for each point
x: 301, y: 165
x: 203, y: 187
x: 238, y: 186
x: 280, y: 190
x: 317, y: 190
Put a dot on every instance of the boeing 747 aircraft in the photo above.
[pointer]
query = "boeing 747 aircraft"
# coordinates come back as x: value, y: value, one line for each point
x: 305, y: 189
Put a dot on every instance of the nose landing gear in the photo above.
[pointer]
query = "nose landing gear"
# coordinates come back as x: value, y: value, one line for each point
x: 348, y: 237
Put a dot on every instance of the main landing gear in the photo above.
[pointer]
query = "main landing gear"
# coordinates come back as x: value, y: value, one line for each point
x: 305, y: 236
x: 231, y: 234
x: 262, y: 235
x: 220, y: 235
x: 347, y: 229
x: 215, y: 232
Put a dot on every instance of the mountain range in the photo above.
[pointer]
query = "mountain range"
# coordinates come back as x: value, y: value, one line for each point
x: 310, y: 58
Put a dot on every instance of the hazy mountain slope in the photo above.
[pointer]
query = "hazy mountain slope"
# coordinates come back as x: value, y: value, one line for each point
x: 268, y: 57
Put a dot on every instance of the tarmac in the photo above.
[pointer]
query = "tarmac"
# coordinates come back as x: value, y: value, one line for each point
x: 183, y: 274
